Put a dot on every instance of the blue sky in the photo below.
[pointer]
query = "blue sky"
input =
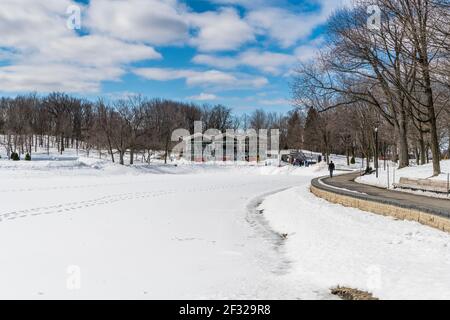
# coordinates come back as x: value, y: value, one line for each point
x: 240, y: 53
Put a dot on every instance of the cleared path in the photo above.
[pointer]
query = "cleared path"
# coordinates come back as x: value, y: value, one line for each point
x: 346, y: 185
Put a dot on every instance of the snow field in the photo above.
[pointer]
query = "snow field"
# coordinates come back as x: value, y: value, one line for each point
x: 84, y: 228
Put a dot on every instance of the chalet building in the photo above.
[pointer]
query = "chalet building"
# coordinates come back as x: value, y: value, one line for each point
x: 223, y: 147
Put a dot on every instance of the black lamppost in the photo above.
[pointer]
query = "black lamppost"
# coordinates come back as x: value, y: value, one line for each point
x: 376, y: 150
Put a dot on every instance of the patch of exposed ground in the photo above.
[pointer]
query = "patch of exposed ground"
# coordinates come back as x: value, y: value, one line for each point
x: 352, y: 294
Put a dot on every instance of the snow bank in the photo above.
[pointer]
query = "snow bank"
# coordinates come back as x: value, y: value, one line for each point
x: 330, y: 245
x: 415, y: 172
x: 70, y: 161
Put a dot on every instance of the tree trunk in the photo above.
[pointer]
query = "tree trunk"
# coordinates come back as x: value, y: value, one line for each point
x: 348, y: 156
x: 8, y: 151
x: 62, y: 144
x: 166, y: 151
x: 131, y: 156
x: 121, y: 155
x: 402, y: 144
x: 417, y: 155
x: 435, y: 150
x: 110, y: 149
x: 422, y: 149
x: 424, y: 61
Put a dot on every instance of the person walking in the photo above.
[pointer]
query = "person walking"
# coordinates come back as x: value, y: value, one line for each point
x: 331, y: 168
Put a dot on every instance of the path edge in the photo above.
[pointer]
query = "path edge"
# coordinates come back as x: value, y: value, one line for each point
x: 359, y: 201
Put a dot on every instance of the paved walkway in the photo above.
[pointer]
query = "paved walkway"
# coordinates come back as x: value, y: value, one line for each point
x: 345, y: 185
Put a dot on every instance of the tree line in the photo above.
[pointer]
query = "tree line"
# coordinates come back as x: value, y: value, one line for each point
x: 130, y: 126
x: 394, y: 76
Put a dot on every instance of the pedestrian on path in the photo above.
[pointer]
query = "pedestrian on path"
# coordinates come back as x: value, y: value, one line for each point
x: 331, y: 168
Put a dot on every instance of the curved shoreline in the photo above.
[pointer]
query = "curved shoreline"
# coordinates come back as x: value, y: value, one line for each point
x: 343, y: 190
x: 260, y: 224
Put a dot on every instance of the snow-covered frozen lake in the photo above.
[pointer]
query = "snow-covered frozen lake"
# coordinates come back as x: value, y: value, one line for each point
x: 164, y: 232
x: 82, y: 229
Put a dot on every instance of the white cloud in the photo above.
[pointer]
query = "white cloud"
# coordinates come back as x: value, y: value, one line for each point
x: 158, y: 22
x: 281, y: 25
x: 161, y: 74
x: 287, y: 27
x: 27, y: 22
x: 39, y: 53
x: 203, y: 97
x: 61, y: 77
x: 270, y: 62
x: 275, y: 102
x: 222, y: 62
x: 42, y: 54
x: 266, y: 61
x: 308, y: 51
x: 210, y: 78
x: 94, y: 50
x: 220, y: 31
x: 245, y: 3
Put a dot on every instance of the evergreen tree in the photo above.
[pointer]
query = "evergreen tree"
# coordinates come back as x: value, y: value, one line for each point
x: 15, y: 156
x: 312, y: 135
x: 295, y: 131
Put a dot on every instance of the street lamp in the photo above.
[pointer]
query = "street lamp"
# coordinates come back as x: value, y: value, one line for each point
x: 376, y: 150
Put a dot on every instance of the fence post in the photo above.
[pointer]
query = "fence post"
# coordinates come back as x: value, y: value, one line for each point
x: 448, y: 184
x: 393, y: 179
x: 388, y: 176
